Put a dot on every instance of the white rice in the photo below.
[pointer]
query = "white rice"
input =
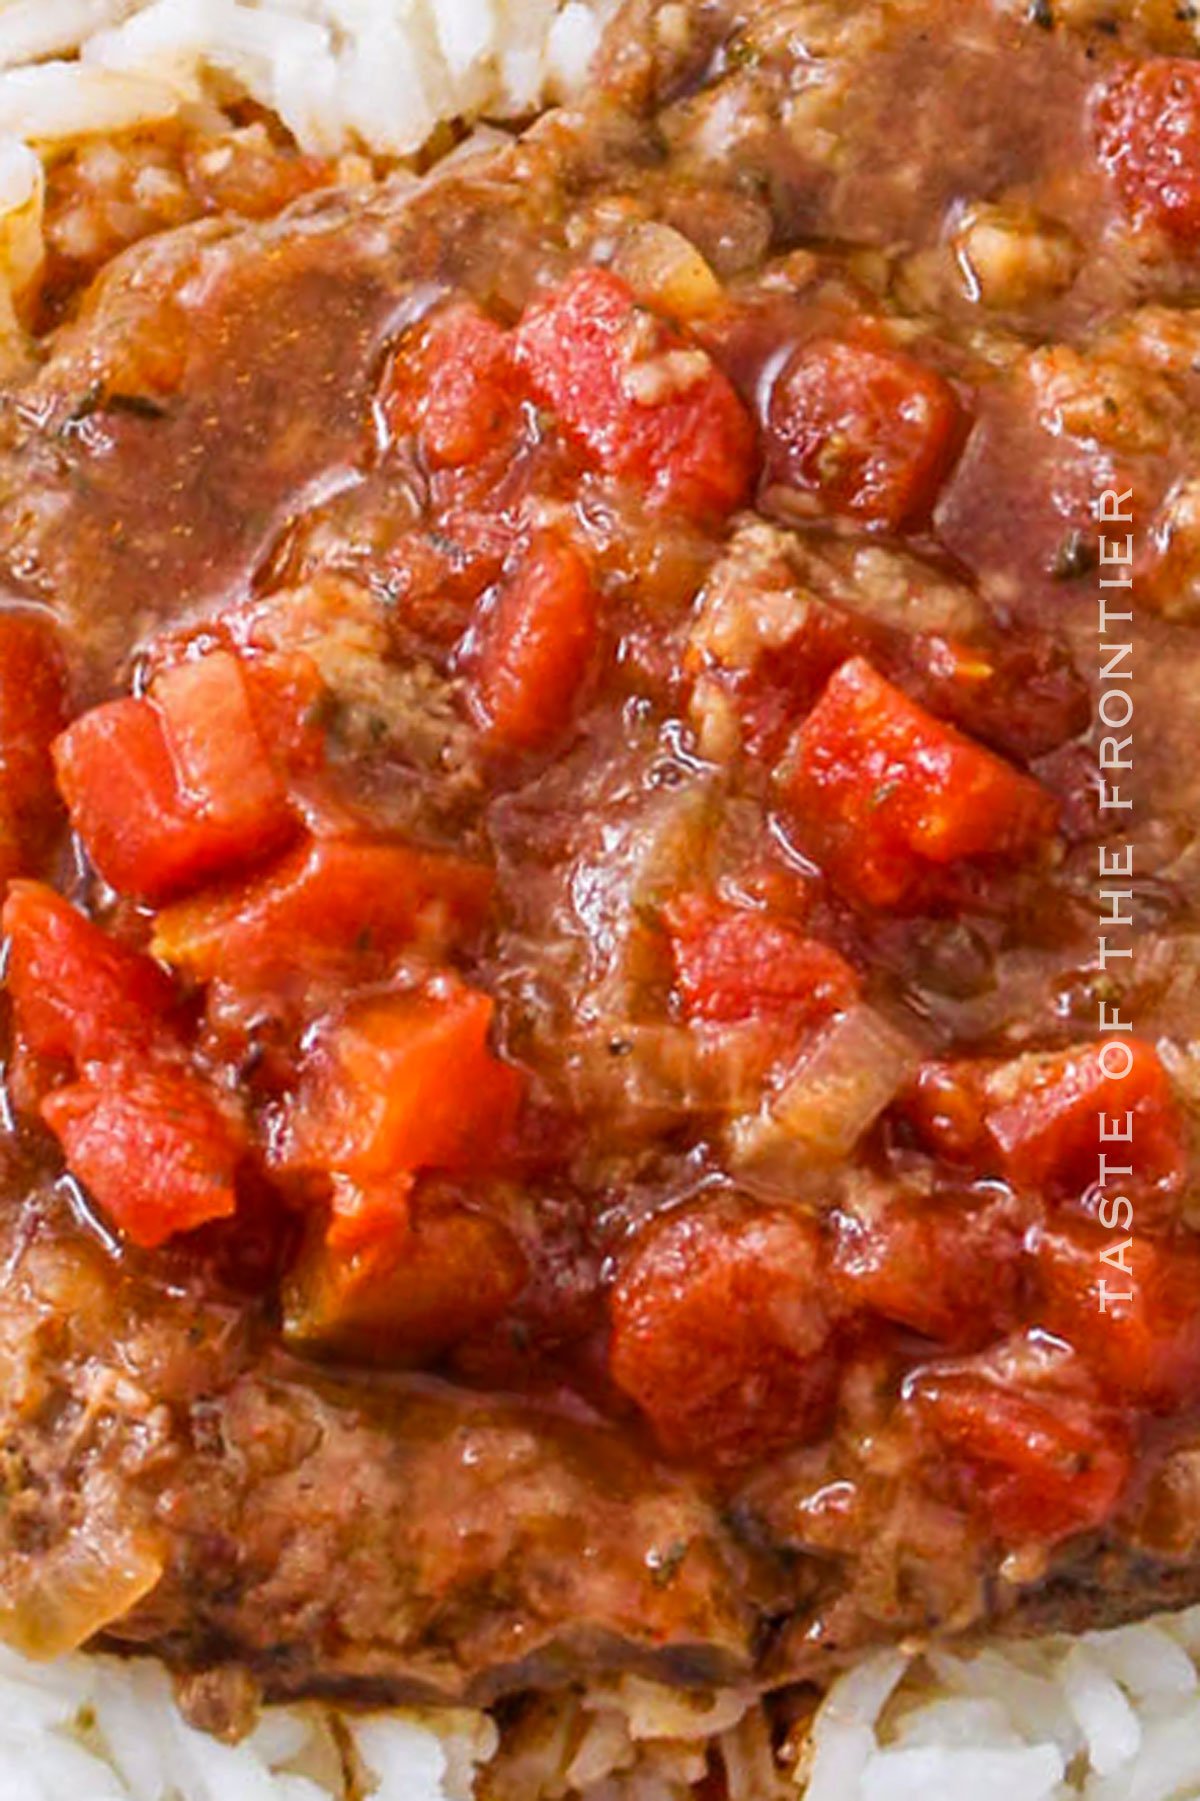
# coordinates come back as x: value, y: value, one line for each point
x: 1110, y: 1717
x: 378, y: 75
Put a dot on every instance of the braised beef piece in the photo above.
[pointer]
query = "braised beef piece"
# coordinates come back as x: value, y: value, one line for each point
x: 744, y: 1387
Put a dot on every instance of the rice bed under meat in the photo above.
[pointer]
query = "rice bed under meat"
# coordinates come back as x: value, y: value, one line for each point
x: 1113, y: 1716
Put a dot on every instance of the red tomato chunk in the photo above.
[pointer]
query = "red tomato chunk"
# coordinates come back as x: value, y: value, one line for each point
x: 458, y: 392
x: 536, y: 646
x: 1141, y: 1332
x: 722, y: 1334
x: 77, y: 994
x: 1038, y: 1465
x: 950, y: 1271
x: 170, y: 791
x: 1045, y: 1115
x: 884, y: 793
x: 636, y: 398
x: 332, y: 907
x: 406, y: 1083
x: 152, y: 1148
x: 865, y: 431
x: 1037, y: 1119
x: 1147, y: 123
x: 731, y: 964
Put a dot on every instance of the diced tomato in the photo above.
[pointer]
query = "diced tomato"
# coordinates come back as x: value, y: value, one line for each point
x: 1147, y: 123
x: 406, y: 1083
x: 1038, y: 1464
x: 170, y: 791
x: 286, y: 693
x: 639, y: 400
x: 731, y: 964
x: 32, y: 713
x: 151, y: 1147
x: 1044, y: 1115
x: 360, y: 1215
x: 220, y: 760
x: 536, y: 646
x: 334, y: 906
x: 884, y: 792
x: 116, y: 776
x: 1135, y: 1318
x: 32, y: 698
x: 1037, y: 1119
x: 404, y: 1295
x: 433, y: 578
x: 946, y: 1104
x: 866, y: 431
x: 721, y: 1331
x: 77, y: 994
x: 950, y: 1271
x: 456, y: 389
x: 785, y: 681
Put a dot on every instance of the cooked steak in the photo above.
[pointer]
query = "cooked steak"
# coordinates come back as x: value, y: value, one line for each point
x: 597, y: 765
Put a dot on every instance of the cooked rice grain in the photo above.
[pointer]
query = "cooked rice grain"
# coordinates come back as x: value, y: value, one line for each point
x: 1112, y: 1716
x: 380, y: 75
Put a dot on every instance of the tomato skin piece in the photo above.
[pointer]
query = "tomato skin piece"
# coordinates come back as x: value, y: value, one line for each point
x: 1144, y: 1350
x: 886, y: 793
x: 405, y: 1083
x: 593, y: 356
x: 721, y: 1331
x: 1147, y: 132
x: 864, y: 430
x: 1036, y: 1119
x: 331, y: 907
x: 456, y: 389
x: 169, y: 791
x: 948, y: 1271
x: 732, y: 964
x: 537, y: 645
x: 1038, y: 1464
x: 77, y: 994
x: 151, y: 1147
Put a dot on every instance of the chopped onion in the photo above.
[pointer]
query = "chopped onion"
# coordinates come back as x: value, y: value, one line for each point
x: 91, y: 1580
x: 667, y: 271
x: 669, y: 1069
x: 618, y: 888
x: 843, y: 1084
x: 832, y: 1097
